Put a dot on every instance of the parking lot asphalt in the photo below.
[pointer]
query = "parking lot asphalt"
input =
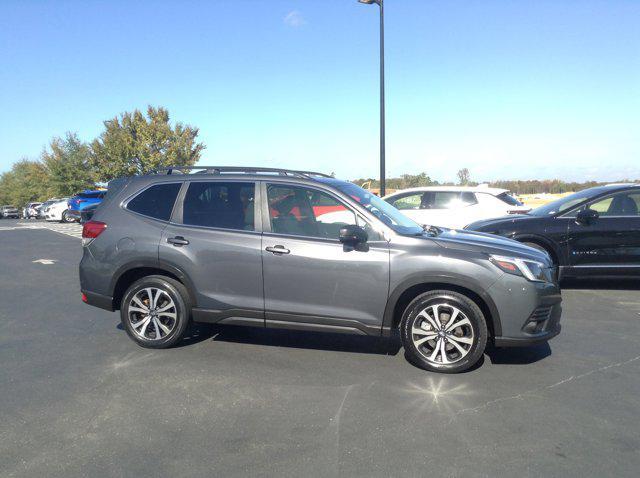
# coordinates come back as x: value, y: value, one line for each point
x: 79, y: 398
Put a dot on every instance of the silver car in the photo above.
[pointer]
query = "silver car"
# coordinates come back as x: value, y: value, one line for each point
x: 300, y: 250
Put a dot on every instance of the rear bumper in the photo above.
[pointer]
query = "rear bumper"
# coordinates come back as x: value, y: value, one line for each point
x: 98, y: 300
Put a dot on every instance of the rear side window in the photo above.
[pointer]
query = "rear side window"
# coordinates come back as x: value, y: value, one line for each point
x: 156, y: 201
x: 225, y: 205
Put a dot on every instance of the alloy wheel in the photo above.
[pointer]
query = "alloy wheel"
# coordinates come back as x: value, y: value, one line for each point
x: 442, y: 334
x: 152, y: 313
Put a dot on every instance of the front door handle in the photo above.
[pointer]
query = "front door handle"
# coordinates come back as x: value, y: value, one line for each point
x: 177, y: 241
x: 278, y: 250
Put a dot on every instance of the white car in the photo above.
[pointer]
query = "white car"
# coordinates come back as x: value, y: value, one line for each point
x: 57, y: 211
x: 455, y: 206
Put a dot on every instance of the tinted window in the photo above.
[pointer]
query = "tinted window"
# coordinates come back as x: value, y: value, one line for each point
x: 625, y: 204
x: 95, y: 195
x: 510, y: 200
x: 411, y: 201
x: 227, y: 205
x: 156, y: 201
x: 307, y: 212
x: 468, y: 199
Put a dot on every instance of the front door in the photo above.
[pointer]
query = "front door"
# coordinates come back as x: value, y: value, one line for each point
x: 611, y: 241
x: 312, y: 278
x: 214, y: 240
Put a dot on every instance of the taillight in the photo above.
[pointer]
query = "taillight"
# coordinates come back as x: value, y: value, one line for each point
x: 91, y: 230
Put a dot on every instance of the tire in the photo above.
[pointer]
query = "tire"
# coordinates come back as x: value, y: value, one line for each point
x: 133, y: 321
x: 66, y: 218
x: 463, y: 345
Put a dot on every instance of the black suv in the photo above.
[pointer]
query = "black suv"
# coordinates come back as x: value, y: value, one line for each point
x: 301, y: 250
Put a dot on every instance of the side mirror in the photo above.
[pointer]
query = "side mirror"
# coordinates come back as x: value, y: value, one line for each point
x: 586, y: 217
x: 353, y: 234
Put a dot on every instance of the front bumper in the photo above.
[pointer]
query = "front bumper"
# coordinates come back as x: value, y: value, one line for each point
x: 530, y: 312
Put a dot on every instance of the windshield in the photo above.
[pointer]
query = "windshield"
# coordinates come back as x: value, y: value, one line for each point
x: 380, y: 208
x: 509, y: 199
x: 563, y: 204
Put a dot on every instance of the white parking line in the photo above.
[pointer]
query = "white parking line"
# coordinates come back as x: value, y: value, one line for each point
x: 70, y: 229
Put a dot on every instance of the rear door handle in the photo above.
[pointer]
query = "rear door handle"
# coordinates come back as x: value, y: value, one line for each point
x: 177, y: 241
x: 278, y: 250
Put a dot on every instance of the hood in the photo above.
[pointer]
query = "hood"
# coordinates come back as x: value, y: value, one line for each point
x: 502, y: 221
x: 489, y: 244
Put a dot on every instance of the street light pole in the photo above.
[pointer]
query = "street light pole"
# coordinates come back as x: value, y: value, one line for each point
x: 380, y: 3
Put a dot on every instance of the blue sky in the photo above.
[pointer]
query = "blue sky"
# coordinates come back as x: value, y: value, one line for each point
x: 508, y: 89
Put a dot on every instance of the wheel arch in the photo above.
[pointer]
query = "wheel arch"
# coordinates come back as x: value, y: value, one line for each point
x: 408, y: 290
x: 542, y: 241
x: 131, y: 272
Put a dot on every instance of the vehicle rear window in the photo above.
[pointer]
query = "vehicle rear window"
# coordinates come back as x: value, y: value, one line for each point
x: 95, y: 195
x: 509, y: 199
x: 225, y: 205
x: 156, y: 201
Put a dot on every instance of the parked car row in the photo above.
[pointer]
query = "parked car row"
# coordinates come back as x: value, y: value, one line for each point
x: 59, y: 209
x: 594, y: 232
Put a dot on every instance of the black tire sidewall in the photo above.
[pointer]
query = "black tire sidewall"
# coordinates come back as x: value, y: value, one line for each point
x: 180, y: 298
x: 468, y: 307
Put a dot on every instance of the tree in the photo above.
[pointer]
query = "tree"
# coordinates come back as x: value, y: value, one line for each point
x: 26, y: 181
x: 68, y: 163
x: 464, y: 177
x: 134, y: 144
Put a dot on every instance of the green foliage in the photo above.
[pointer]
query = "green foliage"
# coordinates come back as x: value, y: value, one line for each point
x: 553, y: 186
x: 134, y: 144
x: 403, y: 182
x: 26, y: 181
x: 68, y: 165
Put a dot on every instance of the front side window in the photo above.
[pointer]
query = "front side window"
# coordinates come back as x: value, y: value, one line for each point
x: 156, y: 201
x: 225, y: 205
x: 300, y: 211
x: 624, y: 204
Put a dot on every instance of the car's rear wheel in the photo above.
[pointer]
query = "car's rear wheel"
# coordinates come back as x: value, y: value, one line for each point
x: 155, y: 311
x: 66, y: 217
x: 443, y: 331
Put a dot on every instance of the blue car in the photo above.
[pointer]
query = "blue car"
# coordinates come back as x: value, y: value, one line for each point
x: 80, y: 201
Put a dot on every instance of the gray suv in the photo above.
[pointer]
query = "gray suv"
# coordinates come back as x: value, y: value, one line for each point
x: 300, y: 250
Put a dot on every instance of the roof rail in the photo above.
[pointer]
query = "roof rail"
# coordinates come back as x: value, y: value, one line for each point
x: 237, y: 169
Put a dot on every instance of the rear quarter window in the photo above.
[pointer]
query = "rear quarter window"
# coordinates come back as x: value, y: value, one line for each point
x: 156, y: 201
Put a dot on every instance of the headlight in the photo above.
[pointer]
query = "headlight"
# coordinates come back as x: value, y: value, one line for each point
x: 532, y: 270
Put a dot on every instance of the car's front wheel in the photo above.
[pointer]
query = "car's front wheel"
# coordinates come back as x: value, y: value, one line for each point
x: 155, y: 311
x: 66, y: 217
x: 443, y: 331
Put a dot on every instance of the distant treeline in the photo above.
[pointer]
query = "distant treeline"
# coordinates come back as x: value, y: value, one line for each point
x: 531, y: 186
x: 131, y: 143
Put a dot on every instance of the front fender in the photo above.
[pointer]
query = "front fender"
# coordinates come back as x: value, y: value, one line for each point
x: 435, y: 281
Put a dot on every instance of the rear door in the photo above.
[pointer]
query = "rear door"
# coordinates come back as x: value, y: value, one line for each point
x: 214, y: 239
x: 610, y: 243
x: 309, y: 276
